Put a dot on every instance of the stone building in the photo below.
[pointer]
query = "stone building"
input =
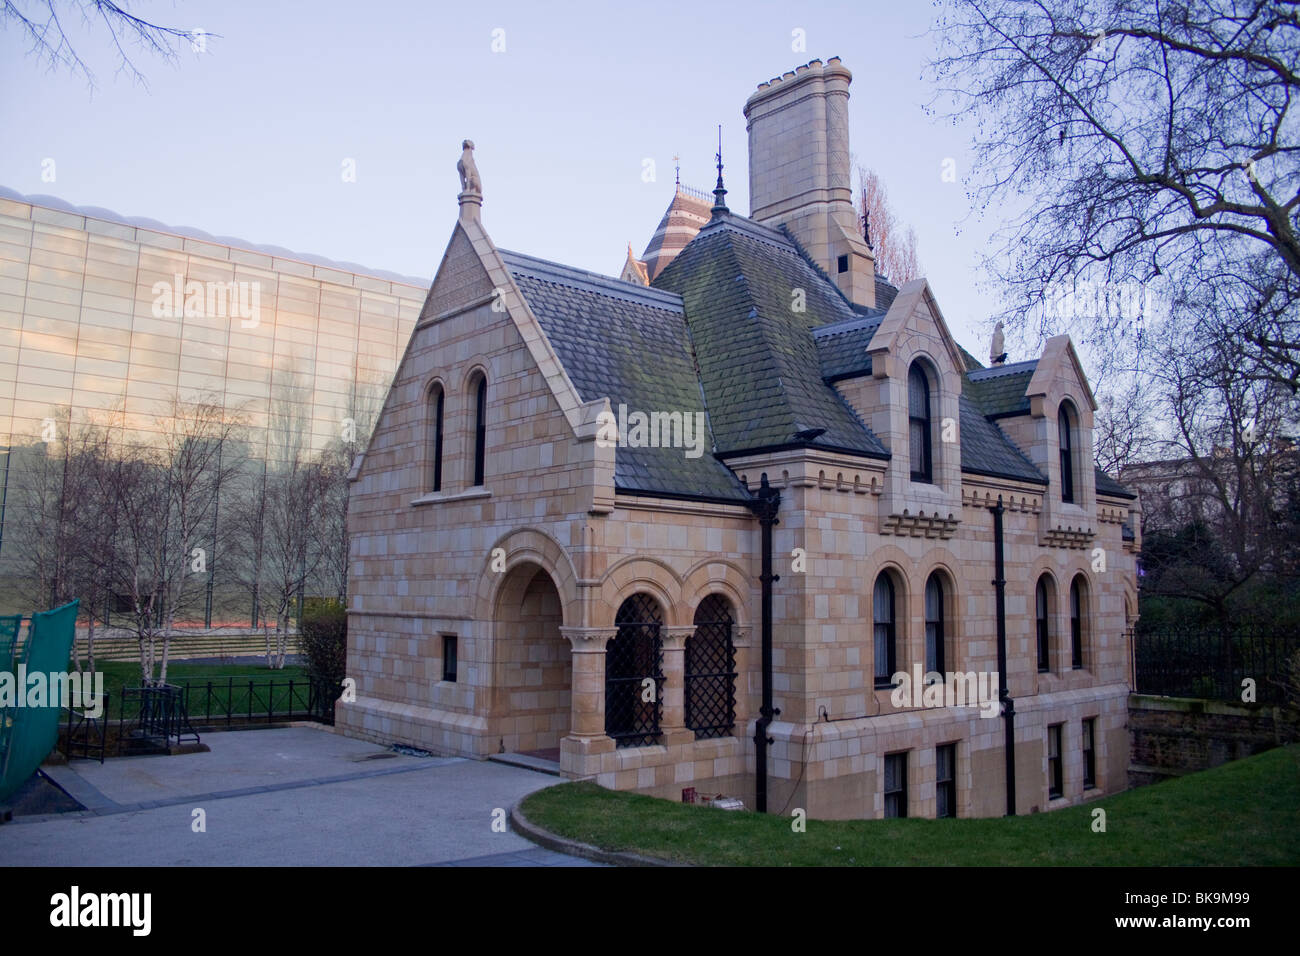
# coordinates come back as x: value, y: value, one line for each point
x: 562, y: 534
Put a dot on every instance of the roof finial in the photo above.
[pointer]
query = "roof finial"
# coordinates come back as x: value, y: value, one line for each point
x: 719, y: 191
x: 866, y: 228
x: 677, y: 165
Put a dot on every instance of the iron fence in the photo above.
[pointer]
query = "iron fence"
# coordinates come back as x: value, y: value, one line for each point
x: 1214, y: 665
x: 170, y: 712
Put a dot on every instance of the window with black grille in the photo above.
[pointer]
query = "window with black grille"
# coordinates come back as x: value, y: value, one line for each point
x: 711, y: 671
x: 634, y: 676
x: 896, y: 785
x: 1055, y: 766
x: 945, y: 780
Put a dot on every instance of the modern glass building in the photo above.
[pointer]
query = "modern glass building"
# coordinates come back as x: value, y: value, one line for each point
x: 102, y: 314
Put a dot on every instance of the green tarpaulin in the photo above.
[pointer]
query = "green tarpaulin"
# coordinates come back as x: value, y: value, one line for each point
x: 28, y: 734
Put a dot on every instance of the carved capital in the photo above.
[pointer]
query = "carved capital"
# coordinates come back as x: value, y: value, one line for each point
x: 589, y: 640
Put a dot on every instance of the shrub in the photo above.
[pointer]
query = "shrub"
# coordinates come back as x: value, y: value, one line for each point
x: 323, y: 637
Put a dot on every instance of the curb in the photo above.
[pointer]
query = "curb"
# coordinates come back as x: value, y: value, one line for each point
x: 552, y: 841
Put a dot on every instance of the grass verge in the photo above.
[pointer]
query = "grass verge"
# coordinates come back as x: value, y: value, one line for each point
x: 1245, y: 813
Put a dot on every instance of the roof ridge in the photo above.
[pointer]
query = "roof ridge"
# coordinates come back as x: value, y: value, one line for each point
x: 996, y: 371
x: 562, y: 274
x: 844, y: 326
x: 813, y: 263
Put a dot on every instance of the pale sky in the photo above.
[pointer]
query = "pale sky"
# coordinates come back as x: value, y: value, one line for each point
x: 249, y: 138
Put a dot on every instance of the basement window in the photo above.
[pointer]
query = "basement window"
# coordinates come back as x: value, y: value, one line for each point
x: 896, y: 785
x: 1055, y: 770
x: 1089, y: 753
x: 945, y: 781
x: 843, y: 264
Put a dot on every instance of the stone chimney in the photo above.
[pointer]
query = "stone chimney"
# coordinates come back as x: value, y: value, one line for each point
x: 799, y: 170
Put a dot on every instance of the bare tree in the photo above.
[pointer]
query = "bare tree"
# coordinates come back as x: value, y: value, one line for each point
x: 1222, y: 514
x: 197, y: 441
x: 1123, y: 433
x: 1146, y: 146
x: 366, y: 399
x: 894, y: 242
x: 283, y: 515
x: 156, y: 502
x: 41, y: 26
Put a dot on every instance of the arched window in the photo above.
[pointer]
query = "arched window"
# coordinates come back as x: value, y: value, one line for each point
x: 1042, y: 604
x: 934, y: 655
x: 1077, y: 601
x: 434, y: 419
x: 885, y: 634
x: 918, y: 422
x: 480, y: 429
x: 1066, y: 442
x: 634, y: 655
x: 711, y: 671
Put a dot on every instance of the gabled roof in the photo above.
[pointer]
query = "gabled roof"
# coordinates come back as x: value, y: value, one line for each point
x: 626, y: 342
x: 742, y: 285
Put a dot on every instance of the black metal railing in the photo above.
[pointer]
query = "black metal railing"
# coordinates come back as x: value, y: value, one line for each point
x: 86, y: 735
x: 168, y: 713
x: 1214, y: 665
x: 160, y: 715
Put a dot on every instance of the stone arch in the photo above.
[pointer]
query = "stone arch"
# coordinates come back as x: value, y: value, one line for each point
x: 535, y: 545
x: 717, y: 575
x: 640, y: 573
x: 1058, y: 621
x: 943, y: 562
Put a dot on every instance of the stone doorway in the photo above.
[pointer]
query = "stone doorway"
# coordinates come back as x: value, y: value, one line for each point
x: 533, y: 666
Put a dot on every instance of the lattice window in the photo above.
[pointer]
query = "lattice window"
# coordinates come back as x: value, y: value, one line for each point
x: 634, y: 708
x: 711, y: 671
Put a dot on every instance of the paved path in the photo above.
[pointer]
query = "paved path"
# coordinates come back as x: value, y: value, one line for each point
x: 289, y: 797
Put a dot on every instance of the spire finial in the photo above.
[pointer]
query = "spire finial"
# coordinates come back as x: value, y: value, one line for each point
x: 719, y: 191
x: 677, y: 165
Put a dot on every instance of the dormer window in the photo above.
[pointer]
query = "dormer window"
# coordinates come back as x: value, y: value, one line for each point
x: 918, y: 424
x: 1066, y: 442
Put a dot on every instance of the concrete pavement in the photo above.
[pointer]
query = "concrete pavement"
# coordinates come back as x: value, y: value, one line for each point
x: 297, y: 796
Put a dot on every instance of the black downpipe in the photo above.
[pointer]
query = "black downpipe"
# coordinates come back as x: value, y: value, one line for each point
x: 765, y: 507
x: 1004, y: 693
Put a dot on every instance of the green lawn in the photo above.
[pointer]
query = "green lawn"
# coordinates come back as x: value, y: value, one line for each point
x: 1243, y: 813
x: 120, y: 674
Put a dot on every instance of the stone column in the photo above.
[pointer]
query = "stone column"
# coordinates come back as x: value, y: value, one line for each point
x: 580, y: 751
x: 673, y: 725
